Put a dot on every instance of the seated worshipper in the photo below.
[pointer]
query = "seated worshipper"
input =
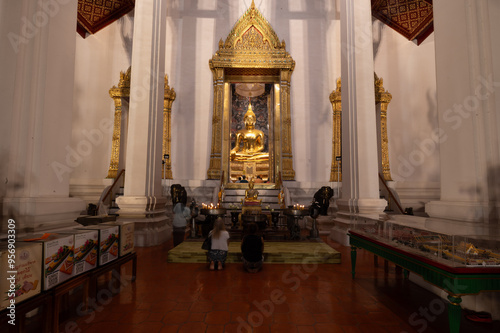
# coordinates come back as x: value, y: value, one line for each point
x: 258, y: 180
x: 220, y: 240
x: 182, y: 214
x: 252, y: 248
x: 244, y: 179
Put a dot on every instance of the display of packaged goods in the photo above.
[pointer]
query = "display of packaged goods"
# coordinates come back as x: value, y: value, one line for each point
x: 126, y: 236
x: 22, y: 266
x: 58, y: 257
x: 109, y: 238
x: 447, y: 248
x: 86, y: 245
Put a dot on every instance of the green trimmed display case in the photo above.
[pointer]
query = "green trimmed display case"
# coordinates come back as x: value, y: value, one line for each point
x: 460, y: 264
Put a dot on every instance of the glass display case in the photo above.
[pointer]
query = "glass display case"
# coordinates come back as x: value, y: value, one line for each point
x: 448, y: 248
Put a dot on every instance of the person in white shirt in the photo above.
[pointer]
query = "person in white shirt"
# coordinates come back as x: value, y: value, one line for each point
x: 220, y: 240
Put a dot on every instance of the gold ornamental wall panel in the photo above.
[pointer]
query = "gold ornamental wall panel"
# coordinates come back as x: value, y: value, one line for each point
x: 120, y: 95
x: 382, y: 100
x: 252, y: 53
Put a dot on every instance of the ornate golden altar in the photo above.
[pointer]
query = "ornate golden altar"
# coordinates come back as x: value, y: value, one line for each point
x: 252, y: 54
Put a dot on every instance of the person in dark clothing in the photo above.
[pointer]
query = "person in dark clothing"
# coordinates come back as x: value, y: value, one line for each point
x: 252, y: 248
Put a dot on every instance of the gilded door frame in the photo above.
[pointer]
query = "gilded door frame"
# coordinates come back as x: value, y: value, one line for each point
x: 118, y: 94
x: 382, y: 100
x: 252, y: 52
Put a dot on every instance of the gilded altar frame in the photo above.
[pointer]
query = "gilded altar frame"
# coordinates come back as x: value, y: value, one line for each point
x: 382, y: 100
x: 252, y: 52
x: 121, y: 94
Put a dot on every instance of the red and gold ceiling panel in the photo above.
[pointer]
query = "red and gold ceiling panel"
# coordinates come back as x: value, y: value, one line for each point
x: 411, y: 18
x: 93, y: 15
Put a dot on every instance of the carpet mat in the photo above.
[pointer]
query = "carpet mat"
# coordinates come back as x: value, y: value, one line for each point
x: 274, y: 252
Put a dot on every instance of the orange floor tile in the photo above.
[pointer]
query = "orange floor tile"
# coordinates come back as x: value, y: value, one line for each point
x: 289, y: 298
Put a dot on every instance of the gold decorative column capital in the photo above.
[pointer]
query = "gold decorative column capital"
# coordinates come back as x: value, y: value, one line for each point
x: 122, y: 91
x: 117, y: 93
x: 382, y: 98
x: 336, y: 101
x: 168, y: 99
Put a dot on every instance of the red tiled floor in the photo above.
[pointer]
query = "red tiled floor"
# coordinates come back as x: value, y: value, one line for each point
x: 173, y: 297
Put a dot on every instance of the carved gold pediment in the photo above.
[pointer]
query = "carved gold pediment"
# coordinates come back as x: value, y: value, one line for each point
x: 252, y: 44
x: 252, y: 53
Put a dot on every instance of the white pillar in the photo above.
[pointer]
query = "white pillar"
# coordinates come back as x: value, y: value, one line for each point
x: 468, y: 101
x: 360, y: 184
x: 38, y: 62
x: 143, y: 201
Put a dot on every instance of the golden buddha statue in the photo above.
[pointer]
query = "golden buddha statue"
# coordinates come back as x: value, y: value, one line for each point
x: 249, y: 141
x: 251, y: 194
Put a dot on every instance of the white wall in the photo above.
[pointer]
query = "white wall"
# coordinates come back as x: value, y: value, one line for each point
x: 311, y: 31
x: 9, y: 16
x: 409, y: 74
x: 99, y: 61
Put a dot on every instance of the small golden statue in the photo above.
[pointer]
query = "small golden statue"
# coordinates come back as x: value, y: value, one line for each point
x: 251, y: 194
x: 281, y: 198
x: 249, y: 141
x: 251, y: 205
x: 220, y: 195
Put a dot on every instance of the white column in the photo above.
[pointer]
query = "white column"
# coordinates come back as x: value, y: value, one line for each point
x: 38, y: 60
x: 360, y: 184
x: 468, y: 98
x: 143, y: 201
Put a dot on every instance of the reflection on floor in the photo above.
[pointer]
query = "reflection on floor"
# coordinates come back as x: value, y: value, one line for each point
x: 178, y: 297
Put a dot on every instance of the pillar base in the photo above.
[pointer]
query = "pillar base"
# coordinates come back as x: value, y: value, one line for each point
x: 362, y: 206
x: 33, y: 215
x: 152, y: 225
x: 481, y: 212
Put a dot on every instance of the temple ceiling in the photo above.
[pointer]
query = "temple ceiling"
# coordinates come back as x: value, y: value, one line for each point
x: 94, y: 15
x: 411, y: 18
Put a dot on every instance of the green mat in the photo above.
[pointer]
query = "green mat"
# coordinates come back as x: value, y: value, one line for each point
x: 274, y: 252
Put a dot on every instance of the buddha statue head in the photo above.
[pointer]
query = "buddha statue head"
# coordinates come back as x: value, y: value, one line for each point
x: 249, y: 118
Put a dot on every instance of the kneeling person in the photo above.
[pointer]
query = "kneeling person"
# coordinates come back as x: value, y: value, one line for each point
x: 252, y: 248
